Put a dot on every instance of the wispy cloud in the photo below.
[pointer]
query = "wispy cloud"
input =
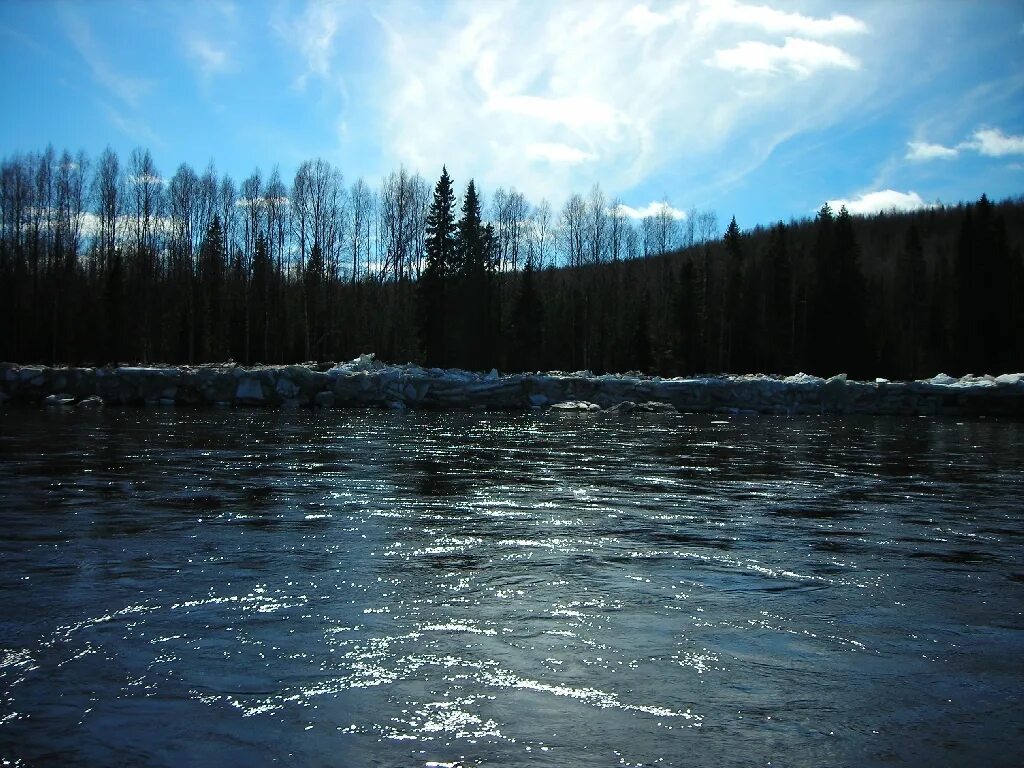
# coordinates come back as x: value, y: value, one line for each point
x: 920, y: 151
x: 642, y: 20
x: 208, y: 57
x: 136, y: 129
x: 553, y: 97
x: 128, y: 88
x: 210, y: 34
x: 802, y: 57
x: 557, y: 153
x: 716, y: 13
x: 881, y: 201
x: 313, y: 34
x: 571, y: 111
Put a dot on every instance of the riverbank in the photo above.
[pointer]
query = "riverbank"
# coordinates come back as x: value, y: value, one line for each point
x: 366, y: 382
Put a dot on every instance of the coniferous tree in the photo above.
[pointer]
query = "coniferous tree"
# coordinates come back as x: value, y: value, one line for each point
x: 473, y: 307
x: 211, y: 280
x: 114, y: 306
x: 820, y: 335
x: 731, y: 330
x: 258, y: 343
x: 440, y: 243
x: 238, y: 327
x: 640, y: 348
x: 314, y: 278
x: 527, y: 323
x: 687, y: 350
x: 967, y: 287
x: 850, y: 326
x: 911, y: 307
x: 779, y: 310
x: 985, y: 273
x: 1015, y: 286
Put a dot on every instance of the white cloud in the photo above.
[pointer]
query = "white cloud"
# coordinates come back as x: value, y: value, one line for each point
x: 800, y: 56
x: 714, y: 13
x: 992, y: 142
x: 920, y: 151
x: 652, y: 209
x: 557, y: 153
x: 881, y: 201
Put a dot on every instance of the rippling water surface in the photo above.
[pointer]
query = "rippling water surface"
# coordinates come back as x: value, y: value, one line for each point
x: 367, y: 588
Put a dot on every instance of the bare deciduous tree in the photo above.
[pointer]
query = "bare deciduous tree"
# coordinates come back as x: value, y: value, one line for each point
x: 572, y: 226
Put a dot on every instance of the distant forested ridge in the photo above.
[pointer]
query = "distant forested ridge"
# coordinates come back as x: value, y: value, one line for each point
x: 107, y: 261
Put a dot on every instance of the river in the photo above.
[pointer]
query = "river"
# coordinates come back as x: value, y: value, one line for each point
x: 348, y: 588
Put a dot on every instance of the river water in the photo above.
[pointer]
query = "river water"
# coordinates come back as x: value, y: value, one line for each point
x: 353, y: 588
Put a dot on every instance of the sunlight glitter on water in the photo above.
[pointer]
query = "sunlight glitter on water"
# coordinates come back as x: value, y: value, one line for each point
x: 467, y: 589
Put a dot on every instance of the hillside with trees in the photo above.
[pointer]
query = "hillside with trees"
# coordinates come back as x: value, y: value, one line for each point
x: 103, y: 261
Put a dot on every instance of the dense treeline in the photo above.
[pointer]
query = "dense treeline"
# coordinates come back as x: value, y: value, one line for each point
x: 104, y: 261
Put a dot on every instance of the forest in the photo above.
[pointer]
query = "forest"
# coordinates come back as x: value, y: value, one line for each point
x: 107, y: 261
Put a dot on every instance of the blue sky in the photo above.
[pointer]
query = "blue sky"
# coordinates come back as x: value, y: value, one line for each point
x: 756, y: 110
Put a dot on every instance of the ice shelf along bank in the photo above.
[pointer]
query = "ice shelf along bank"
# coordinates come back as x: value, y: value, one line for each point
x: 366, y: 382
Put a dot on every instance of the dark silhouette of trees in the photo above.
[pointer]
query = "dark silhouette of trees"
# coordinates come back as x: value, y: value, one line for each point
x: 777, y: 312
x: 108, y: 261
x: 911, y: 308
x: 850, y: 341
x: 211, y: 281
x: 987, y: 276
x: 640, y: 347
x: 526, y: 323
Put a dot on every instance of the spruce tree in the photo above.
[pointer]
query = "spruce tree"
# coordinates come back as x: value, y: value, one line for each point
x: 686, y: 339
x: 471, y: 247
x: 779, y: 305
x: 821, y: 314
x: 431, y: 292
x: 640, y: 347
x: 114, y: 308
x: 527, y: 322
x: 851, y: 347
x: 474, y: 305
x: 911, y: 308
x: 258, y: 346
x: 736, y: 318
x: 312, y: 304
x: 211, y: 280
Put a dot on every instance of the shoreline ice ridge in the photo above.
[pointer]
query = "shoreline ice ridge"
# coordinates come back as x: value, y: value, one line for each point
x: 367, y: 382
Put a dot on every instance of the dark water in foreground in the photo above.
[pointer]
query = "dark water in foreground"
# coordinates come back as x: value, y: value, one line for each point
x: 364, y: 588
